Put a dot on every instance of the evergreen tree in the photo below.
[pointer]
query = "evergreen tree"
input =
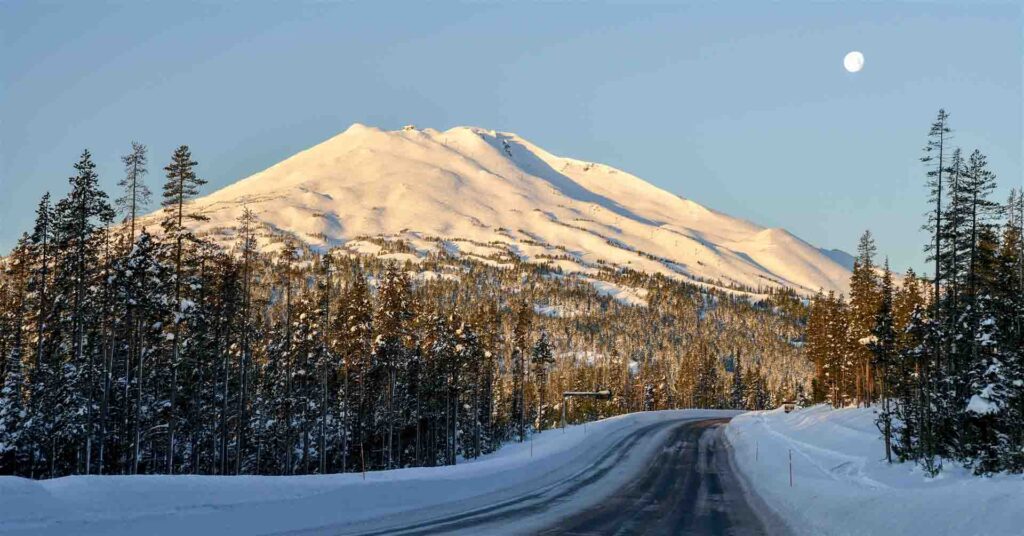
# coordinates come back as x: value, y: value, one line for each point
x: 247, y: 329
x: 152, y: 356
x: 353, y: 344
x: 390, y: 356
x: 816, y: 346
x: 883, y: 346
x: 863, y: 304
x: 955, y: 243
x: 738, y: 393
x: 935, y: 160
x: 707, y: 393
x: 182, y: 185
x: 520, y: 346
x: 541, y: 358
x: 474, y: 412
x: 135, y: 195
x: 13, y: 413
x: 77, y: 220
x: 41, y: 240
x: 143, y: 284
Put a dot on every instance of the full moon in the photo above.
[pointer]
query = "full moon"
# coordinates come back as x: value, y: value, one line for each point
x: 854, y: 61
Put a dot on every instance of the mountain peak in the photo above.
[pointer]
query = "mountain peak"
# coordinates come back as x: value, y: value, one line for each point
x: 490, y: 187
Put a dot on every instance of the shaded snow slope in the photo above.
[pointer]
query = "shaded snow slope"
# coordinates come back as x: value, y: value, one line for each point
x: 843, y: 486
x: 198, y: 505
x: 487, y: 186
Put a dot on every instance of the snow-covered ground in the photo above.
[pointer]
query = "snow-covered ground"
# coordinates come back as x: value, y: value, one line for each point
x: 842, y: 484
x: 198, y: 505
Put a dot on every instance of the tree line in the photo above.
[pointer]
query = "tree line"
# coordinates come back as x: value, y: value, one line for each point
x: 129, y: 348
x: 943, y: 357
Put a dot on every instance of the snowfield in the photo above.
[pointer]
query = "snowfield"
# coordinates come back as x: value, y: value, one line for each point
x: 196, y: 505
x: 843, y: 486
x: 488, y: 195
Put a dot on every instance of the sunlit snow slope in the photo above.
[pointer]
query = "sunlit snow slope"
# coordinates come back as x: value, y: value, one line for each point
x: 470, y: 187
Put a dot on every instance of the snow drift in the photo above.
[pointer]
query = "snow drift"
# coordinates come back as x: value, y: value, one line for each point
x: 843, y: 486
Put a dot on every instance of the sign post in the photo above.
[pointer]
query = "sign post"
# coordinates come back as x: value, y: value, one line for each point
x: 603, y: 394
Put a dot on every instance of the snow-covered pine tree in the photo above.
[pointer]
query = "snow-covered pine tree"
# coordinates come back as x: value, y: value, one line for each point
x: 389, y: 357
x: 325, y: 365
x: 738, y: 391
x: 248, y: 330
x: 863, y: 304
x: 353, y: 339
x: 882, y: 345
x: 14, y: 438
x: 520, y: 348
x: 707, y: 391
x: 439, y: 356
x: 541, y: 358
x: 304, y: 384
x: 488, y: 435
x: 955, y: 243
x: 13, y: 414
x: 77, y: 224
x: 143, y: 284
x: 1008, y: 304
x: 182, y: 185
x: 474, y: 359
x: 987, y: 379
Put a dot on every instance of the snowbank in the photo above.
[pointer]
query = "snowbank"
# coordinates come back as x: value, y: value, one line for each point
x: 842, y: 484
x: 197, y: 505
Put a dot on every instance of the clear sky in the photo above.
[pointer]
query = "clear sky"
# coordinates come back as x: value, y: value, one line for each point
x: 742, y: 106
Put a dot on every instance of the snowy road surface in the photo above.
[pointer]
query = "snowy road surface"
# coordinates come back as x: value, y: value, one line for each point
x: 683, y: 485
x: 688, y: 488
x: 666, y: 472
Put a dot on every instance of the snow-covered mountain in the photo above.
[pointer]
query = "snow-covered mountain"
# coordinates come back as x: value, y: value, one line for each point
x: 483, y: 193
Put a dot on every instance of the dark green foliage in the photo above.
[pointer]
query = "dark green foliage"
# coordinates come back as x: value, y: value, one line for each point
x: 949, y: 368
x: 154, y: 353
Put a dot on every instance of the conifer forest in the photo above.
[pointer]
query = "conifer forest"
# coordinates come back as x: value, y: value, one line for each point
x: 941, y: 357
x: 129, y: 344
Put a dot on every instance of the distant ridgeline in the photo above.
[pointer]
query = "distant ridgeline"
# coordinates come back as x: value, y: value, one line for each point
x: 129, y: 351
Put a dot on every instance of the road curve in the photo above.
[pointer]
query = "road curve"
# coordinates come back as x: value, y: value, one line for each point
x: 687, y: 486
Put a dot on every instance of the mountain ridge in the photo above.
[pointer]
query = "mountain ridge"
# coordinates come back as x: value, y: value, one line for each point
x: 497, y: 188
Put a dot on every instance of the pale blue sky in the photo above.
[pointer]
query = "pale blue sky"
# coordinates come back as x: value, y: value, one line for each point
x: 741, y: 106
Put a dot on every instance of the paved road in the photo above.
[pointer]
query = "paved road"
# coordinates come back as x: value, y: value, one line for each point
x: 687, y: 486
